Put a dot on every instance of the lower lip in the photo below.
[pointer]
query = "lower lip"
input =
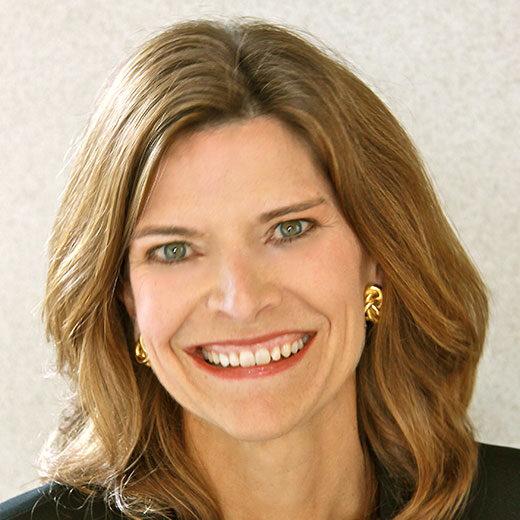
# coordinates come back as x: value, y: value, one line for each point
x: 274, y: 367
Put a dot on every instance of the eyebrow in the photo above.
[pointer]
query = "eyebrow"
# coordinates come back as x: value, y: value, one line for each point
x: 263, y: 218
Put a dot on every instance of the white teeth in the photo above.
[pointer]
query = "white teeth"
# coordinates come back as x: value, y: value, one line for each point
x: 276, y: 354
x: 247, y: 359
x: 297, y: 345
x: 286, y: 350
x: 262, y: 357
x: 234, y: 361
x: 224, y: 360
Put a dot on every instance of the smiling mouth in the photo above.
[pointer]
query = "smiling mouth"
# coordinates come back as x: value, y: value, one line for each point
x: 262, y: 364
x: 257, y: 355
x: 268, y: 341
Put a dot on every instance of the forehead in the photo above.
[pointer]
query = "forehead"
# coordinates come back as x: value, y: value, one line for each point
x: 255, y: 164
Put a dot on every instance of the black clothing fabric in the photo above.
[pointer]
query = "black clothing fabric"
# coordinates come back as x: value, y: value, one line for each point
x: 495, y: 495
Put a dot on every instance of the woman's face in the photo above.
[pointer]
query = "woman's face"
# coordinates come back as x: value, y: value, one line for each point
x: 235, y: 278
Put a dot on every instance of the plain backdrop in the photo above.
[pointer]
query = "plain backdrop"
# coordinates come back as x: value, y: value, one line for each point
x: 448, y: 70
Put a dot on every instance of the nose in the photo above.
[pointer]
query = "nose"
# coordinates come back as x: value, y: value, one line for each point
x: 243, y: 289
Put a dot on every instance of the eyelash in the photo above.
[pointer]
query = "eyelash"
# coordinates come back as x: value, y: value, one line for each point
x: 313, y: 224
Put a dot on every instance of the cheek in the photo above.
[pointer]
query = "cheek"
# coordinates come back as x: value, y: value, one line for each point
x: 333, y: 272
x: 160, y: 305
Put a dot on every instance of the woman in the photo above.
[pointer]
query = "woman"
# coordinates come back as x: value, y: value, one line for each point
x: 258, y: 301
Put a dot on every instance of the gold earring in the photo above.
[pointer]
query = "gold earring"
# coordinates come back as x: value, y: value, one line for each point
x: 373, y: 303
x: 140, y: 353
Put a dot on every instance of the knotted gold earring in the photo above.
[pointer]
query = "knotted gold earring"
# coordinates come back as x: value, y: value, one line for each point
x: 140, y: 353
x: 373, y: 303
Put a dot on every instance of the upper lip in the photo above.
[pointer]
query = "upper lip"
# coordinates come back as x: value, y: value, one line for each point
x: 249, y: 341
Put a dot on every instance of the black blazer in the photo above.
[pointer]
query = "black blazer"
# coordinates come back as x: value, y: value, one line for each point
x: 495, y: 495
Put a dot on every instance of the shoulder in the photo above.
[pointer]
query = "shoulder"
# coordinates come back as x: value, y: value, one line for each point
x: 53, y: 501
x: 496, y: 489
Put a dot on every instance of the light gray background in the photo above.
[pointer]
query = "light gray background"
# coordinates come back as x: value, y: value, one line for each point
x: 448, y: 70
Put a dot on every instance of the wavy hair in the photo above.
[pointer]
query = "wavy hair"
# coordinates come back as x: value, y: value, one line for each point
x: 122, y: 433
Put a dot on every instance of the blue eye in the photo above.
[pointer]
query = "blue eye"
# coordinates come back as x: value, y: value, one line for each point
x: 172, y: 253
x: 293, y: 229
x: 176, y: 252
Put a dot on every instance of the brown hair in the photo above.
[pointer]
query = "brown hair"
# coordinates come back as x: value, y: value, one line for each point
x: 123, y: 433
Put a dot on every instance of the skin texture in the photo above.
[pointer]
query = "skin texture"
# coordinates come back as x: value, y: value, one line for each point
x: 284, y: 446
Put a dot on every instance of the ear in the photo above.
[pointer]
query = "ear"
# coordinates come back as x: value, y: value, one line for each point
x: 375, y: 274
x: 379, y: 276
x: 126, y: 296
